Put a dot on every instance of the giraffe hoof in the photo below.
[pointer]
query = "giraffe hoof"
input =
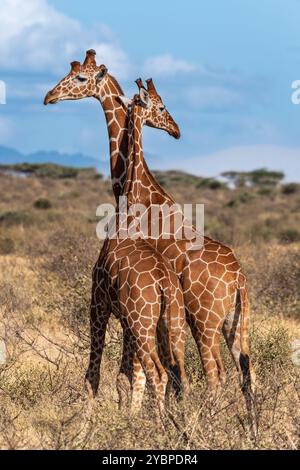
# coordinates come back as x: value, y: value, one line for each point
x: 89, y: 389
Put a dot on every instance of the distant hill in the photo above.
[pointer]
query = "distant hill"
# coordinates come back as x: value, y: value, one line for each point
x: 49, y: 170
x: 10, y: 156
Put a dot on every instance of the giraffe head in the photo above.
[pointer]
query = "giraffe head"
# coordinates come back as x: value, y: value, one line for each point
x: 83, y: 81
x: 152, y: 110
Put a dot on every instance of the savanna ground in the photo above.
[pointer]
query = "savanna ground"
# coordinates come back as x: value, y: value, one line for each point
x: 47, y: 249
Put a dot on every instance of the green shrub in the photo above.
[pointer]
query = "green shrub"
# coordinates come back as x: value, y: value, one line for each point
x: 261, y: 231
x: 42, y: 203
x: 49, y: 170
x: 11, y: 218
x: 7, y: 246
x: 272, y: 349
x: 98, y: 176
x: 56, y: 171
x: 289, y: 235
x: 272, y: 222
x: 231, y: 203
x: 29, y: 386
x: 265, y: 191
x: 166, y: 178
x: 210, y: 183
x: 290, y: 188
x: 245, y: 197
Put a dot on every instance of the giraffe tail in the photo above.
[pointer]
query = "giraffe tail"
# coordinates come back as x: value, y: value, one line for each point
x: 248, y: 375
x: 167, y: 316
x: 243, y: 308
x: 173, y: 365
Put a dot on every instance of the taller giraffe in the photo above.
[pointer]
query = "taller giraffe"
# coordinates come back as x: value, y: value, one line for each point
x: 216, y: 296
x: 108, y: 92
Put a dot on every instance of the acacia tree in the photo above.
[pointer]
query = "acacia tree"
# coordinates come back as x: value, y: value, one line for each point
x: 259, y: 177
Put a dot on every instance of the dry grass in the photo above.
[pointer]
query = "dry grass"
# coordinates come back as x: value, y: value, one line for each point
x: 46, y: 256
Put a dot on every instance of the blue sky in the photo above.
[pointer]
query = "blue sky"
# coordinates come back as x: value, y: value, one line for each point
x: 224, y: 69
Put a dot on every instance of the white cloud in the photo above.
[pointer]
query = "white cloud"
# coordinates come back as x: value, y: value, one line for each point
x: 166, y: 65
x: 243, y: 158
x: 114, y: 57
x: 36, y: 37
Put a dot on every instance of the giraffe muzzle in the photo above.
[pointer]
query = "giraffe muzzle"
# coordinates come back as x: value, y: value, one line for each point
x: 50, y: 98
x: 175, y: 133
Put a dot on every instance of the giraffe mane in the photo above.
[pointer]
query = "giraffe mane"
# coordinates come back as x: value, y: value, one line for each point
x: 132, y: 154
x: 116, y: 83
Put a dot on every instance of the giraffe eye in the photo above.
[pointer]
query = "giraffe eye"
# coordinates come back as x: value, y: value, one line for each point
x: 162, y: 108
x: 81, y: 79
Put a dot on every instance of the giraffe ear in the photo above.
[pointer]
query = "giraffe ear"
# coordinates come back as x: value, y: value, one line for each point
x: 102, y: 73
x: 145, y: 98
x: 126, y: 101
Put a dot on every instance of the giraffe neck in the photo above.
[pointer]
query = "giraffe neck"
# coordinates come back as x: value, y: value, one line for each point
x: 117, y: 125
x: 141, y: 186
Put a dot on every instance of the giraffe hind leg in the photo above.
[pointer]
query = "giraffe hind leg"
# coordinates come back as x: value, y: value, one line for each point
x: 138, y: 385
x: 171, y: 335
x: 208, y: 344
x: 178, y: 337
x: 98, y: 323
x: 174, y: 382
x: 131, y: 380
x: 155, y: 373
x: 125, y: 375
